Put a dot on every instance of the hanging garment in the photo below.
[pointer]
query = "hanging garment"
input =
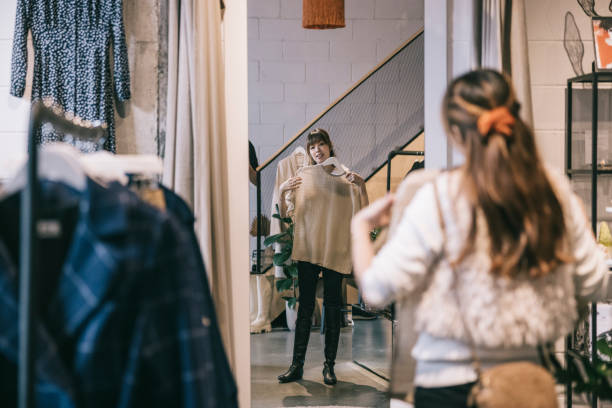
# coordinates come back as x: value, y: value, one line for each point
x: 324, y: 207
x: 286, y: 168
x: 72, y: 42
x: 125, y: 317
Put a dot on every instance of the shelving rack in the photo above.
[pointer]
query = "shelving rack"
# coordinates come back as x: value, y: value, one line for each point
x: 594, y: 79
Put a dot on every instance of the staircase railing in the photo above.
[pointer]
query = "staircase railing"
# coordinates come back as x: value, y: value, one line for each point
x: 382, y: 112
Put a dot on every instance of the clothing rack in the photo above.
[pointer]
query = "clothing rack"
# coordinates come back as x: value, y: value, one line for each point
x: 30, y: 197
x: 399, y: 152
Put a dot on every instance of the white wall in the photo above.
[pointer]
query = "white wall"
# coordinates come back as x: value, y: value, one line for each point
x: 294, y: 74
x: 550, y: 68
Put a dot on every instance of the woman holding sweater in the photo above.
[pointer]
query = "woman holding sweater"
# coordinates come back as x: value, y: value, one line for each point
x: 326, y: 196
x: 499, y: 247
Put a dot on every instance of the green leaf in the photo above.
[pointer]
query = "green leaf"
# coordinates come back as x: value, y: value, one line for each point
x: 604, y: 347
x: 291, y: 301
x: 286, y: 220
x: 292, y: 271
x: 284, y: 284
x: 273, y: 239
x: 280, y: 258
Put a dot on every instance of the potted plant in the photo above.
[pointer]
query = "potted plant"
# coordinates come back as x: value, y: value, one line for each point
x: 584, y: 376
x: 282, y: 259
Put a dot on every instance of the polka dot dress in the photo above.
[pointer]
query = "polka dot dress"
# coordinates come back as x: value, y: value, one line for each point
x: 72, y: 59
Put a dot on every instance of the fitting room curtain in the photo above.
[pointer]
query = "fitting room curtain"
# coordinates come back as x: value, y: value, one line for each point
x: 500, y: 42
x: 195, y: 164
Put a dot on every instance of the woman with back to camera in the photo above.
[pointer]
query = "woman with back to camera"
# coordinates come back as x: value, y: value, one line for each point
x: 499, y: 249
x: 320, y: 148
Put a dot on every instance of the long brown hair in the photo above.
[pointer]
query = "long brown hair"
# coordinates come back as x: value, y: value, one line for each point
x: 504, y: 177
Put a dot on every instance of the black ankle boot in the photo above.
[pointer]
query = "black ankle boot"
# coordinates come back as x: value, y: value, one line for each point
x: 333, y: 316
x: 300, y: 344
x: 294, y: 373
x: 329, y: 377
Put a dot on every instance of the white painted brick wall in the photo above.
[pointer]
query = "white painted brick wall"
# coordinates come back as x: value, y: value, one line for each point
x: 408, y: 10
x: 265, y: 50
x: 282, y: 71
x: 328, y: 72
x: 366, y: 30
x: 291, y: 9
x: 283, y: 112
x: 264, y: 8
x: 253, y: 28
x: 315, y: 50
x: 312, y: 92
x: 281, y: 30
x: 265, y: 92
x: 253, y: 72
x: 294, y: 74
x: 550, y: 68
x: 353, y: 51
x: 360, y: 9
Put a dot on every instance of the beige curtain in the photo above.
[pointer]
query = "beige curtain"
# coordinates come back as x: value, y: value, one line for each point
x: 195, y: 164
x: 501, y: 43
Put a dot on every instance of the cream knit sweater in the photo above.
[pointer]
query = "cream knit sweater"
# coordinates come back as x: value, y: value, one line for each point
x: 500, y: 313
x: 324, y: 206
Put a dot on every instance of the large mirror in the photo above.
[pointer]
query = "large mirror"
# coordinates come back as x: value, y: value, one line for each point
x: 354, y: 94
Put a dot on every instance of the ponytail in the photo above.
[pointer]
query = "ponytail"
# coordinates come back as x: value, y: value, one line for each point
x: 504, y: 177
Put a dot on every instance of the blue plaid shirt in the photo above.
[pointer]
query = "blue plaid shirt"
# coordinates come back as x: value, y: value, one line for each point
x: 127, y: 319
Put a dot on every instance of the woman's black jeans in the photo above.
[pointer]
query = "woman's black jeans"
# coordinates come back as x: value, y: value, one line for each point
x: 442, y: 397
x: 308, y: 275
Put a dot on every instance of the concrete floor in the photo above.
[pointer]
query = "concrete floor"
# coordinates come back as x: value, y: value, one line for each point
x: 271, y: 355
x: 368, y: 342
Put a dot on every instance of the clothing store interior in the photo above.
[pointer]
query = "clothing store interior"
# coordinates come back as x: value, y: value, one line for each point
x: 425, y: 221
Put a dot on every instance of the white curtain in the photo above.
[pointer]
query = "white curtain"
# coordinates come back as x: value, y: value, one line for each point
x: 500, y: 41
x: 195, y: 164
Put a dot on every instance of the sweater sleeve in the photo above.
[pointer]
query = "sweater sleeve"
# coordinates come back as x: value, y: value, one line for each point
x: 590, y: 271
x: 405, y: 260
x: 121, y: 67
x: 19, y: 63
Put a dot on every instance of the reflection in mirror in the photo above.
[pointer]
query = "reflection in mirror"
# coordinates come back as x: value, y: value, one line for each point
x: 308, y: 324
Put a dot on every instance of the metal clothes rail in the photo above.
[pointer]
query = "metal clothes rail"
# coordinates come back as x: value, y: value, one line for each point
x: 28, y: 261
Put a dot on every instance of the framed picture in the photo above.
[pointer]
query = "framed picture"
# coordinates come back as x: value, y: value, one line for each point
x: 602, y: 40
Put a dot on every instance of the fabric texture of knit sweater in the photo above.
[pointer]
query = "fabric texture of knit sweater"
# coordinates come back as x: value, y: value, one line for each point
x: 324, y: 206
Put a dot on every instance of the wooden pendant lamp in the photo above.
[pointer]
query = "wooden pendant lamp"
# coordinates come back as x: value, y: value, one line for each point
x: 323, y: 14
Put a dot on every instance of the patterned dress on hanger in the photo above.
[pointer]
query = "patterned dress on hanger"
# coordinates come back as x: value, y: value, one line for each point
x: 72, y: 56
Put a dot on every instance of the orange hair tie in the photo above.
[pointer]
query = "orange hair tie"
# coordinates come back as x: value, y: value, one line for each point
x: 500, y: 119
